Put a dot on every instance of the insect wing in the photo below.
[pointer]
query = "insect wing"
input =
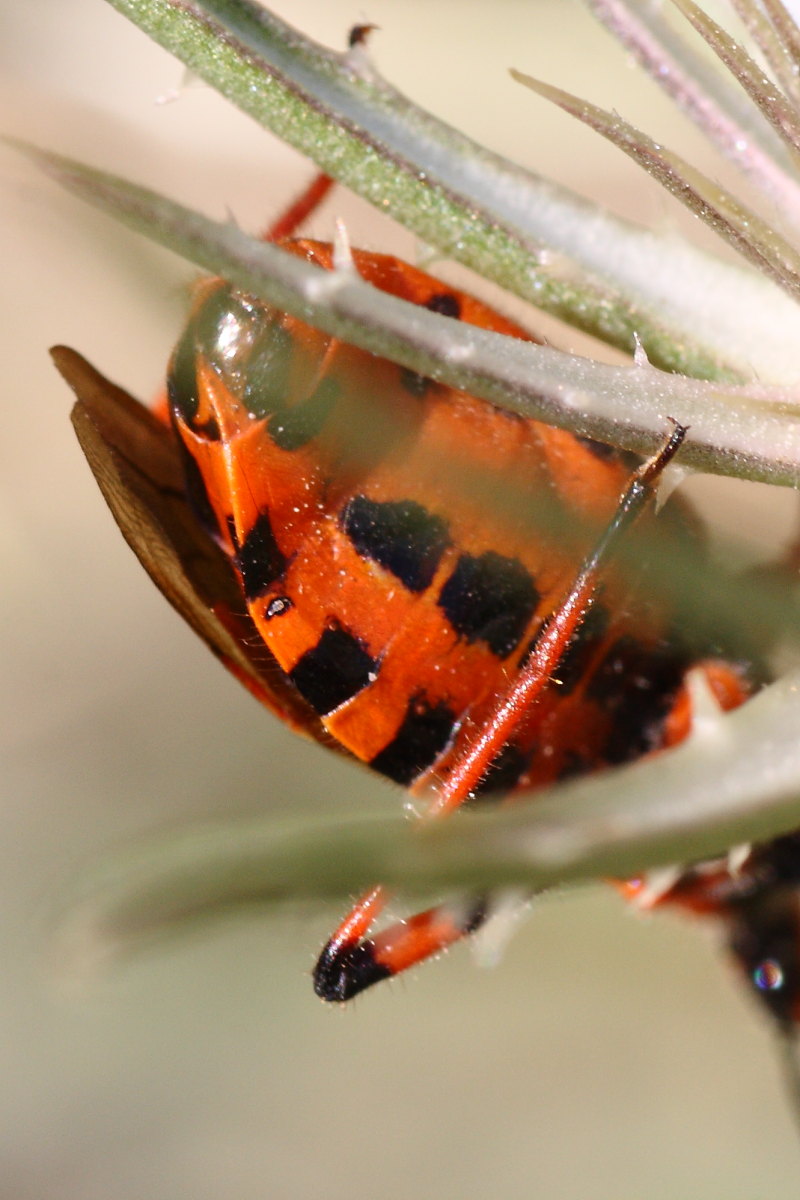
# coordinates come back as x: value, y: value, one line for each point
x: 136, y: 462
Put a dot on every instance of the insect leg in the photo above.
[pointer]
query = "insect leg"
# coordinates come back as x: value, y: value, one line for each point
x: 351, y: 961
x: 301, y: 208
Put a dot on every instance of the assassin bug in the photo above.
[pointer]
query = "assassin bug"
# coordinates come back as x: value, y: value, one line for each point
x: 376, y: 603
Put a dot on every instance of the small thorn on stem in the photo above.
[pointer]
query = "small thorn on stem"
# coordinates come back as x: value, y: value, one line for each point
x: 706, y: 710
x: 639, y: 353
x: 342, y: 250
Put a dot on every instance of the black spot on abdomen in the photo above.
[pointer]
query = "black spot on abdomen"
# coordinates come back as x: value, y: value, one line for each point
x: 490, y: 598
x: 446, y: 304
x: 600, y: 450
x: 401, y: 536
x: 605, y: 453
x: 260, y: 559
x: 333, y: 671
x: 425, y: 731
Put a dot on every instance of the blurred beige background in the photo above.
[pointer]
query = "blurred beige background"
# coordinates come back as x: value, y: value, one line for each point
x: 606, y: 1057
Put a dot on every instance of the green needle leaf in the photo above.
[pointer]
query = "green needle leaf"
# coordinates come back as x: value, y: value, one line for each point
x: 748, y: 432
x: 736, y: 780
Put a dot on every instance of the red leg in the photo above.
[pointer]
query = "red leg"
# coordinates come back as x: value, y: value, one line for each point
x: 471, y: 762
x: 299, y: 210
x: 351, y: 961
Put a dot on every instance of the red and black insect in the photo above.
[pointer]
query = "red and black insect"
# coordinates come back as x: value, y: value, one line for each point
x: 365, y: 549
